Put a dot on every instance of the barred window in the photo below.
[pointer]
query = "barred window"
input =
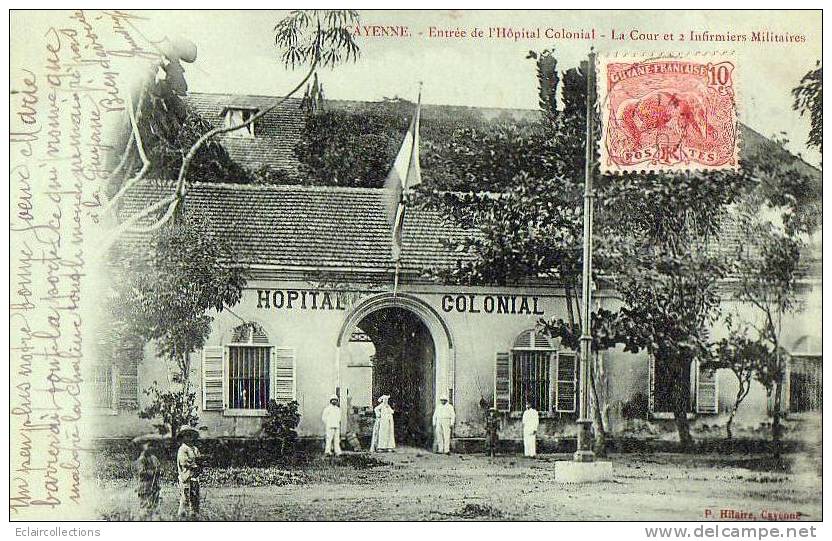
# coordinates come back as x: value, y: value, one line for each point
x: 249, y: 376
x: 536, y: 372
x: 249, y: 368
x: 530, y: 380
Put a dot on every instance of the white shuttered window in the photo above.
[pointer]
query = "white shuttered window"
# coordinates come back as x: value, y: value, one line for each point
x: 244, y: 375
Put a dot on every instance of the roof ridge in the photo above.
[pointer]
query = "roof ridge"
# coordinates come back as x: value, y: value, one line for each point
x: 379, y: 102
x: 239, y: 95
x: 267, y: 187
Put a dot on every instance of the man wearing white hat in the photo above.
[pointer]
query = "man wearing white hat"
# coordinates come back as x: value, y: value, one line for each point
x: 443, y: 421
x: 331, y: 418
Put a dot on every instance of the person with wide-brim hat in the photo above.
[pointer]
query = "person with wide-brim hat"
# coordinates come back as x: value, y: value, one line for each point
x: 148, y: 472
x: 188, y: 433
x: 188, y: 467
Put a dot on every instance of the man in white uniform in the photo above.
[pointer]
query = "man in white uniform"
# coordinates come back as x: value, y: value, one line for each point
x: 531, y: 420
x: 331, y: 418
x: 443, y: 421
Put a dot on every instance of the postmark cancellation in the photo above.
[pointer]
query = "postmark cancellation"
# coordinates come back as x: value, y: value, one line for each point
x: 668, y: 112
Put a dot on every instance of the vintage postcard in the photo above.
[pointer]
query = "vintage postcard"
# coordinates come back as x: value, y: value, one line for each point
x: 362, y: 265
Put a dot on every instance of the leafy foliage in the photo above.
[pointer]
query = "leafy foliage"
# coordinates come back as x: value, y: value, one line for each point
x: 169, y: 127
x: 768, y: 272
x: 272, y: 175
x: 317, y: 36
x: 164, y: 296
x: 608, y: 330
x: 350, y: 149
x: 279, y: 427
x: 187, y: 273
x: 744, y: 357
x: 547, y: 74
x: 787, y: 186
x: 808, y: 99
x: 175, y: 408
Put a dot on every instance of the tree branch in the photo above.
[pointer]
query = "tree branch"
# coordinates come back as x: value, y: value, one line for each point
x: 132, y: 221
x: 162, y: 221
x: 134, y: 136
x: 124, y: 156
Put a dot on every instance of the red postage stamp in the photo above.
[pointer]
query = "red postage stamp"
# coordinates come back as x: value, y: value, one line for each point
x: 668, y: 113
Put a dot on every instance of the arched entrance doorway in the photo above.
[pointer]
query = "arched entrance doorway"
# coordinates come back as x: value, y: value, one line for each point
x: 400, y: 347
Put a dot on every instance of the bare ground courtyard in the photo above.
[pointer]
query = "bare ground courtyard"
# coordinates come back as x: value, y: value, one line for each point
x: 412, y: 484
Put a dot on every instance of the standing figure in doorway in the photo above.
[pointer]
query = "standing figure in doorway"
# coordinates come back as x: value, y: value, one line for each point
x: 331, y: 418
x: 443, y: 421
x: 531, y: 420
x: 384, y: 436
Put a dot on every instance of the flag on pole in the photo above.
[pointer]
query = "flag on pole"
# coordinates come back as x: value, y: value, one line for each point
x: 403, y: 176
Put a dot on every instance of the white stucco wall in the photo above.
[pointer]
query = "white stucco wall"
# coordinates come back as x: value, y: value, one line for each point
x: 475, y: 337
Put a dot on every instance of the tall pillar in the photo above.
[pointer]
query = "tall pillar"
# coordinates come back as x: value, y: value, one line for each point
x: 584, y: 451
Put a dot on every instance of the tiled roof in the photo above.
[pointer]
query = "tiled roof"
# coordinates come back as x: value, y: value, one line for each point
x: 278, y: 131
x: 338, y: 230
x: 310, y: 226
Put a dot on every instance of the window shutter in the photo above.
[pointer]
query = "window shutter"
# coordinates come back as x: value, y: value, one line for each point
x: 127, y: 382
x: 706, y: 391
x: 213, y: 388
x: 283, y: 374
x: 502, y: 382
x: 651, y: 387
x: 114, y: 387
x: 567, y: 382
x: 128, y: 391
x: 553, y: 382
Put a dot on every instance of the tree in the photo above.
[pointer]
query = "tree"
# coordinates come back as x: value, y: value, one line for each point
x: 670, y: 301
x: 176, y: 407
x: 311, y: 38
x: 165, y: 296
x: 808, y: 99
x: 744, y: 357
x: 278, y: 428
x: 768, y: 263
x: 343, y: 148
x: 787, y: 187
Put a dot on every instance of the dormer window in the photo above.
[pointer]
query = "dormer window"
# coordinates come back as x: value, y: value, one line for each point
x: 237, y: 117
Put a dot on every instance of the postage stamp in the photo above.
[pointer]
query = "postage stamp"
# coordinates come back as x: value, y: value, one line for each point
x: 668, y: 113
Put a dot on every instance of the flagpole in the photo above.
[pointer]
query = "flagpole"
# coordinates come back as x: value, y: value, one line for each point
x: 401, y: 199
x: 584, y: 448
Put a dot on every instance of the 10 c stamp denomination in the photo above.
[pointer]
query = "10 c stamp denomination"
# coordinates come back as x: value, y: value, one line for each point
x: 668, y: 113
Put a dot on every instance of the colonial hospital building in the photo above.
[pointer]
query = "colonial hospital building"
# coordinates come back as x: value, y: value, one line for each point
x: 319, y: 316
